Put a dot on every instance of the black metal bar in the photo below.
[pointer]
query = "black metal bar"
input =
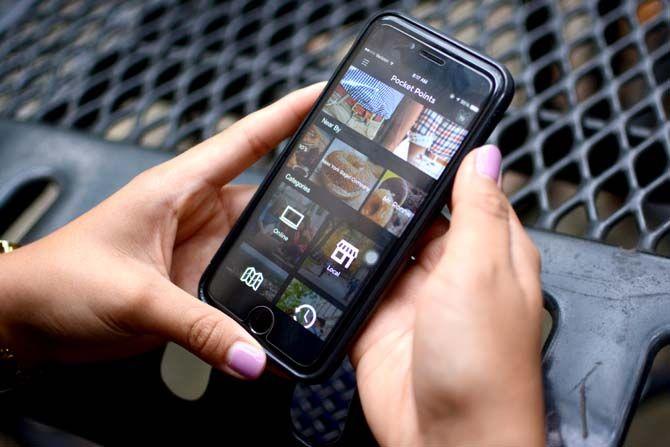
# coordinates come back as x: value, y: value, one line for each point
x: 611, y: 312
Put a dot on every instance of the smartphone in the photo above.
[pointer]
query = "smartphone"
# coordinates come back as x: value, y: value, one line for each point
x: 370, y: 167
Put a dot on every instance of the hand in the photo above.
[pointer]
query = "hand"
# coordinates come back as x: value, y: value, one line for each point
x: 121, y: 278
x: 452, y: 355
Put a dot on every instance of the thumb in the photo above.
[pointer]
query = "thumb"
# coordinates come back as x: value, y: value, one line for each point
x: 479, y: 209
x: 205, y: 331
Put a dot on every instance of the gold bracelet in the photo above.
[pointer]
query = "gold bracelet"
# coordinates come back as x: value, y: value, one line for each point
x: 9, y: 366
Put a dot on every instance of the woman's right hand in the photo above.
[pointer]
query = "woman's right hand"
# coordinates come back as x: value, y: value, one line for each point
x: 452, y: 355
x: 121, y: 278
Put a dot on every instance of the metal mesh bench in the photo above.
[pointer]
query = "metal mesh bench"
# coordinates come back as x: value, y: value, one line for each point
x: 586, y: 144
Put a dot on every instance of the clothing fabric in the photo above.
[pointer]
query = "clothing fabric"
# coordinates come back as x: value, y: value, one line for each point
x: 374, y: 95
x: 446, y: 135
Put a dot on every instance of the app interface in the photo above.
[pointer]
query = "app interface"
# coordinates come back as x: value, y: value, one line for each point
x: 351, y: 186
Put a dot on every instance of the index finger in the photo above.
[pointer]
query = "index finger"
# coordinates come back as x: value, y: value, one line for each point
x: 223, y: 157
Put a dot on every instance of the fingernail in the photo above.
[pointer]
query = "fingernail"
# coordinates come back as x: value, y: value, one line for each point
x: 488, y: 161
x: 246, y: 360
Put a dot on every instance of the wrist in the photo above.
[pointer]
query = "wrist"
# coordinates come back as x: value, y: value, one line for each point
x: 10, y: 376
x: 493, y: 428
x: 7, y: 291
x: 506, y: 417
x: 12, y: 303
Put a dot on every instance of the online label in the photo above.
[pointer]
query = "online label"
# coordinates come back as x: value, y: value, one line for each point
x: 280, y: 234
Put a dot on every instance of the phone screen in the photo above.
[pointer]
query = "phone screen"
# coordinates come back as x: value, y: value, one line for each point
x: 354, y: 180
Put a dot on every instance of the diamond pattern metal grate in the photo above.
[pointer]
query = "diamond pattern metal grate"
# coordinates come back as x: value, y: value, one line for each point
x: 586, y: 141
x: 160, y: 73
x: 587, y: 131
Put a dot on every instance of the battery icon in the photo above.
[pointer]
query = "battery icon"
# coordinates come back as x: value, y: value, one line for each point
x: 474, y: 108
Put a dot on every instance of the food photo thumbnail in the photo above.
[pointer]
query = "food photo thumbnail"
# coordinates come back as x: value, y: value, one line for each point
x: 346, y: 174
x: 393, y: 203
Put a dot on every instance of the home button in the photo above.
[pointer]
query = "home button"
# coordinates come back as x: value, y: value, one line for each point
x: 260, y: 320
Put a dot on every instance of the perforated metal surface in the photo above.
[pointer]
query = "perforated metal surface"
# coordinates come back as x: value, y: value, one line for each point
x: 596, y: 79
x: 159, y: 73
x: 586, y: 140
x: 591, y: 104
x: 319, y: 412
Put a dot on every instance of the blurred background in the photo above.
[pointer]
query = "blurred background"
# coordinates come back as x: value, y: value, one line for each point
x: 586, y: 140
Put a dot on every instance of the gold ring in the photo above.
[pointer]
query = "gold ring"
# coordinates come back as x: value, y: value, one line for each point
x: 6, y: 246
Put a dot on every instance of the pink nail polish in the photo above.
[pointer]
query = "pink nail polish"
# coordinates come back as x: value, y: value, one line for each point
x: 488, y: 161
x: 246, y: 360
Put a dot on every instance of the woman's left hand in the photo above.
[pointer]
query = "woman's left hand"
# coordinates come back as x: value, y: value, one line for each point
x: 121, y: 278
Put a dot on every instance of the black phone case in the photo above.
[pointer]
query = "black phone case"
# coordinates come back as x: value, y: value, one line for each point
x: 492, y: 112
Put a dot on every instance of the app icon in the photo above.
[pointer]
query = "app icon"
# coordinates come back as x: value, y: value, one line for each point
x: 305, y: 315
x: 371, y: 257
x: 252, y: 278
x: 344, y: 253
x: 291, y: 217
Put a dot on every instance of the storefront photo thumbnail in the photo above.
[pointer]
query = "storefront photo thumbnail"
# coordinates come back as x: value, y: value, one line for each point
x: 362, y: 102
x: 340, y: 260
